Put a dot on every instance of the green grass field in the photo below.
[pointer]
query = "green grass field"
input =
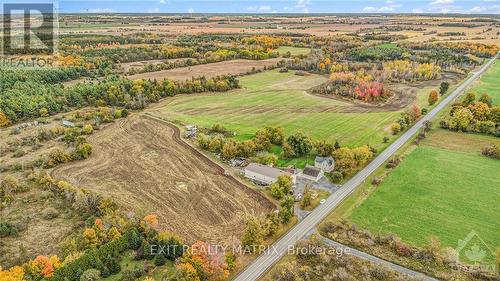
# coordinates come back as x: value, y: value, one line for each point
x: 279, y: 99
x: 294, y: 51
x: 436, y: 191
x: 489, y: 83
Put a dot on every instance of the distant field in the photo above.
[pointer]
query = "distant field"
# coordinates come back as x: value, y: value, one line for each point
x: 437, y: 191
x: 280, y: 99
x: 294, y: 51
x: 235, y: 67
x: 489, y: 83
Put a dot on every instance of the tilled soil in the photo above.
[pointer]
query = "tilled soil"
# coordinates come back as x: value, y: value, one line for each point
x: 146, y: 168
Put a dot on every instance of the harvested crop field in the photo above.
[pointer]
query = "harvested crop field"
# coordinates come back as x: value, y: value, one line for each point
x: 235, y: 67
x: 145, y: 167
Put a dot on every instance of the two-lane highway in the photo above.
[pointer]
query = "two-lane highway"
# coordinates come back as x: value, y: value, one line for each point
x: 259, y: 266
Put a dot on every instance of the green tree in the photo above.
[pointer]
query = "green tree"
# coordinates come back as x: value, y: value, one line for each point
x: 443, y: 88
x: 300, y: 143
x: 485, y: 98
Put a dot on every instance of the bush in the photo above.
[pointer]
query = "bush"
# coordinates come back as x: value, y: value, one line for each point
x: 395, y: 128
x: 337, y: 176
x: 90, y: 275
x: 492, y: 151
x: 7, y: 229
x: 50, y: 213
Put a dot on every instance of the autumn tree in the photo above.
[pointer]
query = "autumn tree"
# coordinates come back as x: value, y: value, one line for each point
x: 469, y: 99
x: 307, y: 197
x: 324, y: 148
x: 282, y: 186
x: 4, y: 120
x: 229, y: 150
x: 479, y: 110
x: 462, y: 118
x: 286, y: 208
x: 433, y: 97
x: 485, y: 98
x: 252, y: 234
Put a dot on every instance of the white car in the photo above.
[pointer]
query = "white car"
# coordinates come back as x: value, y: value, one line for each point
x: 322, y: 201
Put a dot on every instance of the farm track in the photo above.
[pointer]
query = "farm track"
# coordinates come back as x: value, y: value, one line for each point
x: 143, y: 164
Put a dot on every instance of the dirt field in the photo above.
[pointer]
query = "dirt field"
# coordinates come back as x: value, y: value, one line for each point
x: 208, y: 70
x: 126, y: 66
x: 144, y: 165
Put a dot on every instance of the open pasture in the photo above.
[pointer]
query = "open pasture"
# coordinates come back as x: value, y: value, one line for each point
x: 441, y: 188
x: 281, y: 99
x: 143, y: 165
x: 489, y: 83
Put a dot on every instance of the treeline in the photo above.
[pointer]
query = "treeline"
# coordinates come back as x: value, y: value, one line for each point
x: 9, y: 77
x: 471, y: 115
x: 32, y: 100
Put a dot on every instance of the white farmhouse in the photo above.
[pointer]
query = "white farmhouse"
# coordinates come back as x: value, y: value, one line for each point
x: 326, y: 164
x: 264, y: 174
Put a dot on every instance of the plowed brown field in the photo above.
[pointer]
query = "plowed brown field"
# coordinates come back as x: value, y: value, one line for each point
x: 209, y: 70
x: 145, y: 167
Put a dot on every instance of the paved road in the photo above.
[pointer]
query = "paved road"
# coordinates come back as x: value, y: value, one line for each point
x: 377, y: 260
x: 260, y: 265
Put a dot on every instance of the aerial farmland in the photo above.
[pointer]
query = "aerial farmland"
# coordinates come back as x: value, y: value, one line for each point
x: 252, y: 145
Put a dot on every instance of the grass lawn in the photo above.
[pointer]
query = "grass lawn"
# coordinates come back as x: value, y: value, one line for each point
x: 489, y: 83
x: 436, y: 191
x: 294, y: 51
x: 280, y: 99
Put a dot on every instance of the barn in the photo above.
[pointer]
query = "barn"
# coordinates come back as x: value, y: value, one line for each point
x: 263, y: 174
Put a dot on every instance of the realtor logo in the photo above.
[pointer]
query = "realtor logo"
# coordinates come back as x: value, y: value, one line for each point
x: 29, y: 29
x: 472, y: 249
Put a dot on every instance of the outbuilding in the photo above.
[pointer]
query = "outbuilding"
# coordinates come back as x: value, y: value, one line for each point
x: 263, y: 174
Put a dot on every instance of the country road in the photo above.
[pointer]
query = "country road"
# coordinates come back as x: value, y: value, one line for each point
x: 377, y: 260
x: 264, y: 262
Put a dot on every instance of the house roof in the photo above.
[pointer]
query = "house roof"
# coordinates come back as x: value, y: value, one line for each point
x: 265, y: 170
x: 311, y: 171
x: 320, y: 159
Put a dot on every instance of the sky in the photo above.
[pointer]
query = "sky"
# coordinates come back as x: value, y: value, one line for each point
x: 278, y: 6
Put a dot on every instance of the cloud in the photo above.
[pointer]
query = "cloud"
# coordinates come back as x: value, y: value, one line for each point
x: 100, y: 11
x: 263, y: 8
x: 302, y: 3
x: 154, y: 10
x: 163, y: 2
x: 441, y: 2
x: 190, y: 10
x: 369, y: 9
x: 417, y: 11
x: 494, y: 9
